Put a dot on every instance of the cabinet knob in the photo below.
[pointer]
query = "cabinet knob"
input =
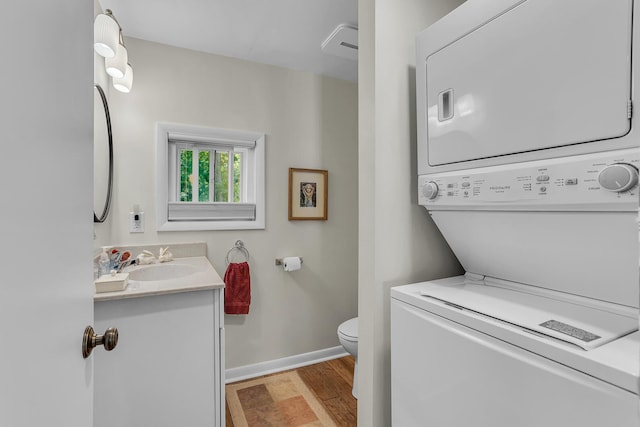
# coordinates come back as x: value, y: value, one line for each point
x: 91, y: 340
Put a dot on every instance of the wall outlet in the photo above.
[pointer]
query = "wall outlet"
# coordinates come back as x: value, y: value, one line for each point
x: 136, y: 222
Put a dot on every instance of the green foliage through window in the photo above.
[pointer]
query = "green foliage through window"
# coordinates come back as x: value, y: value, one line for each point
x: 202, y: 175
x: 222, y: 177
x: 237, y: 162
x: 186, y: 174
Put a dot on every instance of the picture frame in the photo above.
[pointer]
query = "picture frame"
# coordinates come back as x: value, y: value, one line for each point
x: 308, y: 191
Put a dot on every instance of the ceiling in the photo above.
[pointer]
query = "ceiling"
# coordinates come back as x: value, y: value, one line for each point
x: 286, y: 33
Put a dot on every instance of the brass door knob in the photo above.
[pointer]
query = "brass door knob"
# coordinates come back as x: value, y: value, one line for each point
x: 91, y: 340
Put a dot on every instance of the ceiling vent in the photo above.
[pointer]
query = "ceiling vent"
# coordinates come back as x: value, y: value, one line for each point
x: 342, y: 42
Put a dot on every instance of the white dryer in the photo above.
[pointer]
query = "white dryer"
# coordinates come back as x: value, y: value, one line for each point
x: 528, y: 164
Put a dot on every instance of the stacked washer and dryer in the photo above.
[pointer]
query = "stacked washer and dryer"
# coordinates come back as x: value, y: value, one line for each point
x: 528, y: 164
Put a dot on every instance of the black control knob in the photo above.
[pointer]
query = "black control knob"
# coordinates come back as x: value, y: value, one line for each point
x: 618, y: 177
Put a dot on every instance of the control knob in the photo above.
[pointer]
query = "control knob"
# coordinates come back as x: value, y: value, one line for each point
x: 430, y: 190
x: 618, y: 177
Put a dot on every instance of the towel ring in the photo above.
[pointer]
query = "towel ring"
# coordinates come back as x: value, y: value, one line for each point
x: 239, y: 246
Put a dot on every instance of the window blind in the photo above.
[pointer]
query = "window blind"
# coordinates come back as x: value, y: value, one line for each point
x: 176, y: 137
x: 197, y: 211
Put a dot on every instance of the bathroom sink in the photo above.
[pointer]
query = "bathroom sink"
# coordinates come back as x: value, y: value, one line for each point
x: 183, y: 274
x: 159, y: 272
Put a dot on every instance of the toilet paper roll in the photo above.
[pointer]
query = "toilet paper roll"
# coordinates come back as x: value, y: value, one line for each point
x: 292, y: 263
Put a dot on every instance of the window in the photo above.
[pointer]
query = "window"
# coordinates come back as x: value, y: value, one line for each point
x: 209, y: 179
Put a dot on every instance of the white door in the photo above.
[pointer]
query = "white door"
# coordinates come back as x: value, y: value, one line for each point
x: 46, y: 131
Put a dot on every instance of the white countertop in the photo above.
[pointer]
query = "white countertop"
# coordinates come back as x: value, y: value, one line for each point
x: 205, y: 277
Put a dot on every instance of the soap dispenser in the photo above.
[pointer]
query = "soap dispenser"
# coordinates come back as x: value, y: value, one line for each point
x: 105, y: 263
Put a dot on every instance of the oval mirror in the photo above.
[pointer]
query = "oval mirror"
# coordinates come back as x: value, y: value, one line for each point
x: 102, y: 156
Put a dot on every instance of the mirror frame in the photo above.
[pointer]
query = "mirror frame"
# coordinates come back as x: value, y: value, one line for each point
x: 107, y: 205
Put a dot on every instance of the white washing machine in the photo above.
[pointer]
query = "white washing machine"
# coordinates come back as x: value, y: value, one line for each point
x: 528, y: 164
x: 475, y: 354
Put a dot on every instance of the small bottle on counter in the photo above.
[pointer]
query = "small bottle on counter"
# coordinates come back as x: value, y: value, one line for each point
x: 104, y: 265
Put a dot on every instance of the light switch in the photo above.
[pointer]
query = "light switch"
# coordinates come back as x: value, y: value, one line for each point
x: 136, y: 222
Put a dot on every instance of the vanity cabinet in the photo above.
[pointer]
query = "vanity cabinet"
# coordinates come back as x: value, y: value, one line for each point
x: 168, y: 367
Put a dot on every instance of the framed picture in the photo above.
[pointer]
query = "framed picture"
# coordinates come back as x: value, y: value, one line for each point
x: 308, y: 189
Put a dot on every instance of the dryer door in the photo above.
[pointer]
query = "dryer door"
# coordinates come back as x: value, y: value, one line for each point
x: 544, y: 74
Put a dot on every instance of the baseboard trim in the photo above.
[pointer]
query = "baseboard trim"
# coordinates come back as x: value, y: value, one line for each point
x: 271, y: 366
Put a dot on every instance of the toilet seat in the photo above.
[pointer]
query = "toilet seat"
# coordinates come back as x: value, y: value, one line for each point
x: 349, y: 329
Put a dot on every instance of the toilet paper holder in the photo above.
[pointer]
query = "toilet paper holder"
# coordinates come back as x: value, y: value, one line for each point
x: 280, y: 261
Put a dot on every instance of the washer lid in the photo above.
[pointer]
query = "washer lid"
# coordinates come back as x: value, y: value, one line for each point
x: 573, y: 323
x: 349, y: 328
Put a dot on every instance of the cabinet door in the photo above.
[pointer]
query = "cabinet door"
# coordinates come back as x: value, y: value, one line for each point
x: 544, y: 74
x: 166, y: 370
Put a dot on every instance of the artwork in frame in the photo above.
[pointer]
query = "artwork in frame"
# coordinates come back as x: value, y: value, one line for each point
x: 308, y: 190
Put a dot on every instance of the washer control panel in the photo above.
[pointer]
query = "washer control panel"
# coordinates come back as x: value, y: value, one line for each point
x: 599, y: 181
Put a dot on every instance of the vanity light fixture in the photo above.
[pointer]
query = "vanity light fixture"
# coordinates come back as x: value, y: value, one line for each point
x: 106, y: 34
x: 124, y: 83
x: 109, y: 43
x: 117, y: 65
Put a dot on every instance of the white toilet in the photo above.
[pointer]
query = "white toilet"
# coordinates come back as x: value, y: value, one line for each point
x: 348, y: 336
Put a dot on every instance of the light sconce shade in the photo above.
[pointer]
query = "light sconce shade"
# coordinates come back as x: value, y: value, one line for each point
x: 116, y: 66
x: 109, y: 42
x: 124, y: 84
x: 106, y: 35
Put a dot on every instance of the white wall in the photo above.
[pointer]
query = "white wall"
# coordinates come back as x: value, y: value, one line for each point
x: 398, y: 242
x: 309, y: 122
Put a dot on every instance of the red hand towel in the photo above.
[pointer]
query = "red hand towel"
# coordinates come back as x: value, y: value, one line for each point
x: 237, y: 292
